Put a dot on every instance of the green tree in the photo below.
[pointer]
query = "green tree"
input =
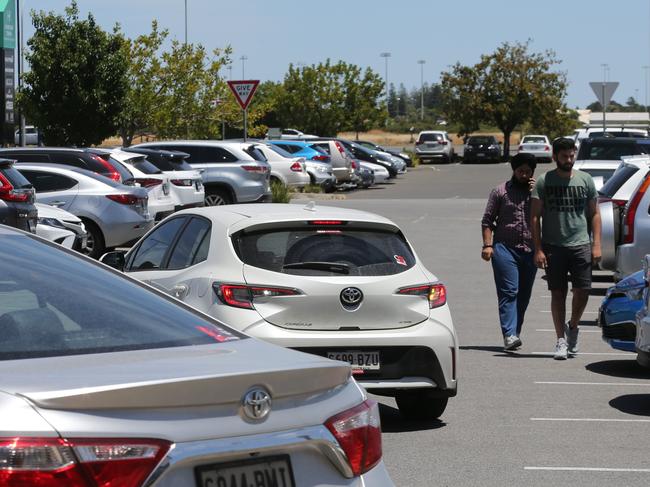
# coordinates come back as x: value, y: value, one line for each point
x: 361, y: 104
x: 506, y: 88
x: 143, y: 94
x: 76, y: 85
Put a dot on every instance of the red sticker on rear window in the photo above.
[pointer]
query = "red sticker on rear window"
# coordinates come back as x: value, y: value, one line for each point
x: 399, y: 259
x: 220, y: 337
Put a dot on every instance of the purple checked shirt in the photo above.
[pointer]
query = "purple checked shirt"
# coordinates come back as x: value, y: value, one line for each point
x: 508, y: 215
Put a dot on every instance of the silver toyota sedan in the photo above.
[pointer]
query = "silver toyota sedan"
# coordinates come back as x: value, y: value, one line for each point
x: 105, y: 381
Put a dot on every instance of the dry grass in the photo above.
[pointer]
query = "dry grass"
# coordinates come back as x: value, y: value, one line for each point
x: 404, y: 140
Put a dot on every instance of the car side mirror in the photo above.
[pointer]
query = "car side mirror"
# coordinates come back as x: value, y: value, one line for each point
x: 115, y: 259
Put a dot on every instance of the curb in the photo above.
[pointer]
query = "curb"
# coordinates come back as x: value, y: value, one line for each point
x: 318, y: 196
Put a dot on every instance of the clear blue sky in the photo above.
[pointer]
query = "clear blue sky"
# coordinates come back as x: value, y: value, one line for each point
x: 274, y: 33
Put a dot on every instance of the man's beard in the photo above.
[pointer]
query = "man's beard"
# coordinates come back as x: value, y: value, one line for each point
x: 566, y: 167
x: 519, y: 184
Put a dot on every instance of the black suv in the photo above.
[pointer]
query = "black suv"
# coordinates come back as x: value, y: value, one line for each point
x: 16, y: 199
x: 95, y: 160
x: 482, y: 148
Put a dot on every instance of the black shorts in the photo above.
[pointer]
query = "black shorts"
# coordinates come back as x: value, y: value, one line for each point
x: 561, y: 261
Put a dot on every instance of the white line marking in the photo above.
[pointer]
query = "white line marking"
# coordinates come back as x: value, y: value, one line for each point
x: 582, y: 330
x: 635, y: 384
x: 585, y: 313
x: 618, y: 354
x: 589, y: 469
x: 594, y: 420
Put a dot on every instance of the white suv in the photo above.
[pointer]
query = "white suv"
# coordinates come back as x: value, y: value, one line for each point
x: 338, y: 283
x: 434, y: 144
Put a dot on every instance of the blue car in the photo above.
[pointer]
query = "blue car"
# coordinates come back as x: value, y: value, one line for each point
x: 302, y: 149
x: 617, y: 312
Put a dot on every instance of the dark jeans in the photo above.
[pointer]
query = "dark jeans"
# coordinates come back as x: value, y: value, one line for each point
x: 514, y: 276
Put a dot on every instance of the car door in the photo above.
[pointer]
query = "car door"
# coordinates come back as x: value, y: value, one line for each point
x: 51, y: 188
x: 167, y: 258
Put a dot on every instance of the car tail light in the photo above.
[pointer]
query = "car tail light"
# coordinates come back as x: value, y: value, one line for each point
x: 296, y: 167
x: 327, y: 222
x: 442, y: 142
x: 354, y: 164
x: 182, y: 182
x: 148, y: 182
x: 358, y: 431
x: 521, y: 147
x: 435, y: 293
x: 9, y: 193
x: 630, y: 213
x: 55, y: 462
x: 619, y: 203
x: 260, y: 169
x: 322, y: 158
x: 242, y: 296
x: 111, y: 172
x: 125, y: 199
x: 418, y: 142
x: 546, y: 148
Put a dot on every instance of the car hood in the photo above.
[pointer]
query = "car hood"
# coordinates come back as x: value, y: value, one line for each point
x: 49, y: 211
x: 169, y: 377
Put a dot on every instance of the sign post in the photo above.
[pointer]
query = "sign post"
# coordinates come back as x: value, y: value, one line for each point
x: 7, y: 67
x: 604, y: 91
x: 244, y: 91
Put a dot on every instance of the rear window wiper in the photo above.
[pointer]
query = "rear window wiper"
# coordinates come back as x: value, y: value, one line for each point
x: 321, y: 266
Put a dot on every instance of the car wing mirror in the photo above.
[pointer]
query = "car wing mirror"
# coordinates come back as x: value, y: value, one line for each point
x: 115, y: 259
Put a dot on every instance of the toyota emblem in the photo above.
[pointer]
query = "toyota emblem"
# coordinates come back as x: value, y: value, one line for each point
x: 256, y: 404
x: 351, y: 297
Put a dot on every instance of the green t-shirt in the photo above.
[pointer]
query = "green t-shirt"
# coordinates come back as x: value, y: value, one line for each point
x: 565, y: 215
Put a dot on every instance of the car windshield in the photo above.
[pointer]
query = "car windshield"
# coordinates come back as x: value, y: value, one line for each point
x: 100, y: 310
x: 142, y: 164
x: 607, y: 150
x: 481, y: 140
x: 325, y: 251
x: 429, y: 137
x: 280, y: 151
x: 533, y: 140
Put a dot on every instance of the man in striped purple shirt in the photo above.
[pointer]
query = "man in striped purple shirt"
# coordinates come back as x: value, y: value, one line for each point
x: 508, y: 243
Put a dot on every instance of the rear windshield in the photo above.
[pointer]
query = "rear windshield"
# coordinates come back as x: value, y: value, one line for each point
x: 482, y: 140
x: 533, y: 140
x: 170, y: 164
x: 428, y: 137
x: 606, y: 174
x: 607, y: 150
x: 17, y: 180
x: 618, y: 179
x: 280, y: 150
x: 100, y: 311
x: 144, y: 165
x: 308, y: 251
x: 617, y: 134
x: 255, y: 153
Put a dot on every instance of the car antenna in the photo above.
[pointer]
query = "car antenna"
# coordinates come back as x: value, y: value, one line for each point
x: 311, y: 206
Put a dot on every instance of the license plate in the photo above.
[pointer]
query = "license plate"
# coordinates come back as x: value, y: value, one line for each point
x: 165, y: 189
x: 259, y: 472
x: 534, y: 147
x: 480, y: 155
x: 358, y: 360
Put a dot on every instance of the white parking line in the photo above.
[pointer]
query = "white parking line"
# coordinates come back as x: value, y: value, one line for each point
x: 593, y: 420
x: 589, y: 469
x: 586, y: 312
x: 582, y: 330
x: 635, y: 384
x: 617, y: 354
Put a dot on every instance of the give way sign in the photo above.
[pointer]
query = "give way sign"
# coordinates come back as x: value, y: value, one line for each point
x: 243, y: 91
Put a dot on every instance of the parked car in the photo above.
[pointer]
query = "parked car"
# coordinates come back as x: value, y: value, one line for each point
x: 340, y: 158
x: 612, y: 198
x: 401, y: 154
x: 109, y: 382
x: 285, y: 168
x: 317, y: 162
x: 617, y: 312
x: 635, y: 234
x: 333, y: 282
x: 608, y: 148
x: 482, y: 148
x: 364, y: 177
x: 95, y: 160
x: 32, y: 136
x: 368, y: 155
x: 16, y: 199
x: 380, y: 173
x: 600, y: 171
x: 232, y: 172
x: 114, y: 214
x: 60, y: 226
x: 642, y: 341
x: 537, y: 145
x: 161, y: 203
x: 434, y: 145
x: 187, y: 188
x: 293, y: 134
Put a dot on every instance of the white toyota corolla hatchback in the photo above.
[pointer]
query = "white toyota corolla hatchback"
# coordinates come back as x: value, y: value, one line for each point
x: 338, y: 283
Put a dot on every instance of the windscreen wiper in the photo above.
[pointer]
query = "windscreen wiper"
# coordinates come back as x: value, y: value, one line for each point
x: 321, y: 266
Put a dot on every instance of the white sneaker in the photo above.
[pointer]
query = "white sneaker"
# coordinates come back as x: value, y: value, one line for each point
x: 511, y: 342
x: 572, y: 340
x: 560, y: 350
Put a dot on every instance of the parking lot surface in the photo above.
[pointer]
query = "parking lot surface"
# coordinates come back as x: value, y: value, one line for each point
x: 519, y: 418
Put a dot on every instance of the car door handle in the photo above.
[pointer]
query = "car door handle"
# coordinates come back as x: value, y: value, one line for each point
x: 57, y: 203
x: 179, y: 291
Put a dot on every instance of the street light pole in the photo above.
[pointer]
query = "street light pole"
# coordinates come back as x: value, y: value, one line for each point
x: 230, y: 72
x: 185, y: 21
x: 645, y: 69
x: 421, y: 63
x: 386, y: 55
x: 243, y: 61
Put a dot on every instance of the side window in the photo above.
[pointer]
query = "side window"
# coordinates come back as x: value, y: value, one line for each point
x: 195, y: 238
x: 152, y: 251
x: 324, y: 147
x: 70, y: 160
x: 196, y: 152
x: 44, y: 182
x: 219, y: 154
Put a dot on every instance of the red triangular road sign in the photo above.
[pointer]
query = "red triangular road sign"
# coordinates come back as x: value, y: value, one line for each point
x: 243, y: 91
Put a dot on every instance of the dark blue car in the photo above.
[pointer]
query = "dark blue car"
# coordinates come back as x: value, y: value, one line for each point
x: 617, y: 312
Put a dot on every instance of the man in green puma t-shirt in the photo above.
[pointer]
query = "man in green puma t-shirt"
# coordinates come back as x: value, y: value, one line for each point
x: 565, y: 201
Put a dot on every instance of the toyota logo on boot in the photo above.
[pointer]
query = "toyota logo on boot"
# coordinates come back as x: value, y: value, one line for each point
x: 351, y: 297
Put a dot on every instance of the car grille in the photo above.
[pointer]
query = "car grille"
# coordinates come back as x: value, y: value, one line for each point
x: 620, y: 331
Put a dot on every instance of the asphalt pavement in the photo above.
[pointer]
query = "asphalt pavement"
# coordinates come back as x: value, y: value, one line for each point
x: 519, y: 418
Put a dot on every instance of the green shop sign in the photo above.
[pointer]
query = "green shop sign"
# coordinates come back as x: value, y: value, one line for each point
x: 8, y: 24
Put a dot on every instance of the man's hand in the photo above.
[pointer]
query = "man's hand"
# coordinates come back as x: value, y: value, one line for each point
x: 540, y: 259
x: 596, y: 253
x: 486, y: 253
x: 531, y: 184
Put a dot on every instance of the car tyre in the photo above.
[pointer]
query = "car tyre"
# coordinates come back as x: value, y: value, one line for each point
x: 643, y: 359
x: 95, y: 244
x: 420, y: 404
x: 217, y: 197
x: 446, y: 159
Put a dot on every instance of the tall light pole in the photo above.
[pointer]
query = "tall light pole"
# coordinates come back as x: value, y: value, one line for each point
x: 243, y: 62
x: 185, y: 21
x: 421, y: 63
x: 230, y: 72
x: 605, y: 67
x: 386, y: 55
x: 645, y: 69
